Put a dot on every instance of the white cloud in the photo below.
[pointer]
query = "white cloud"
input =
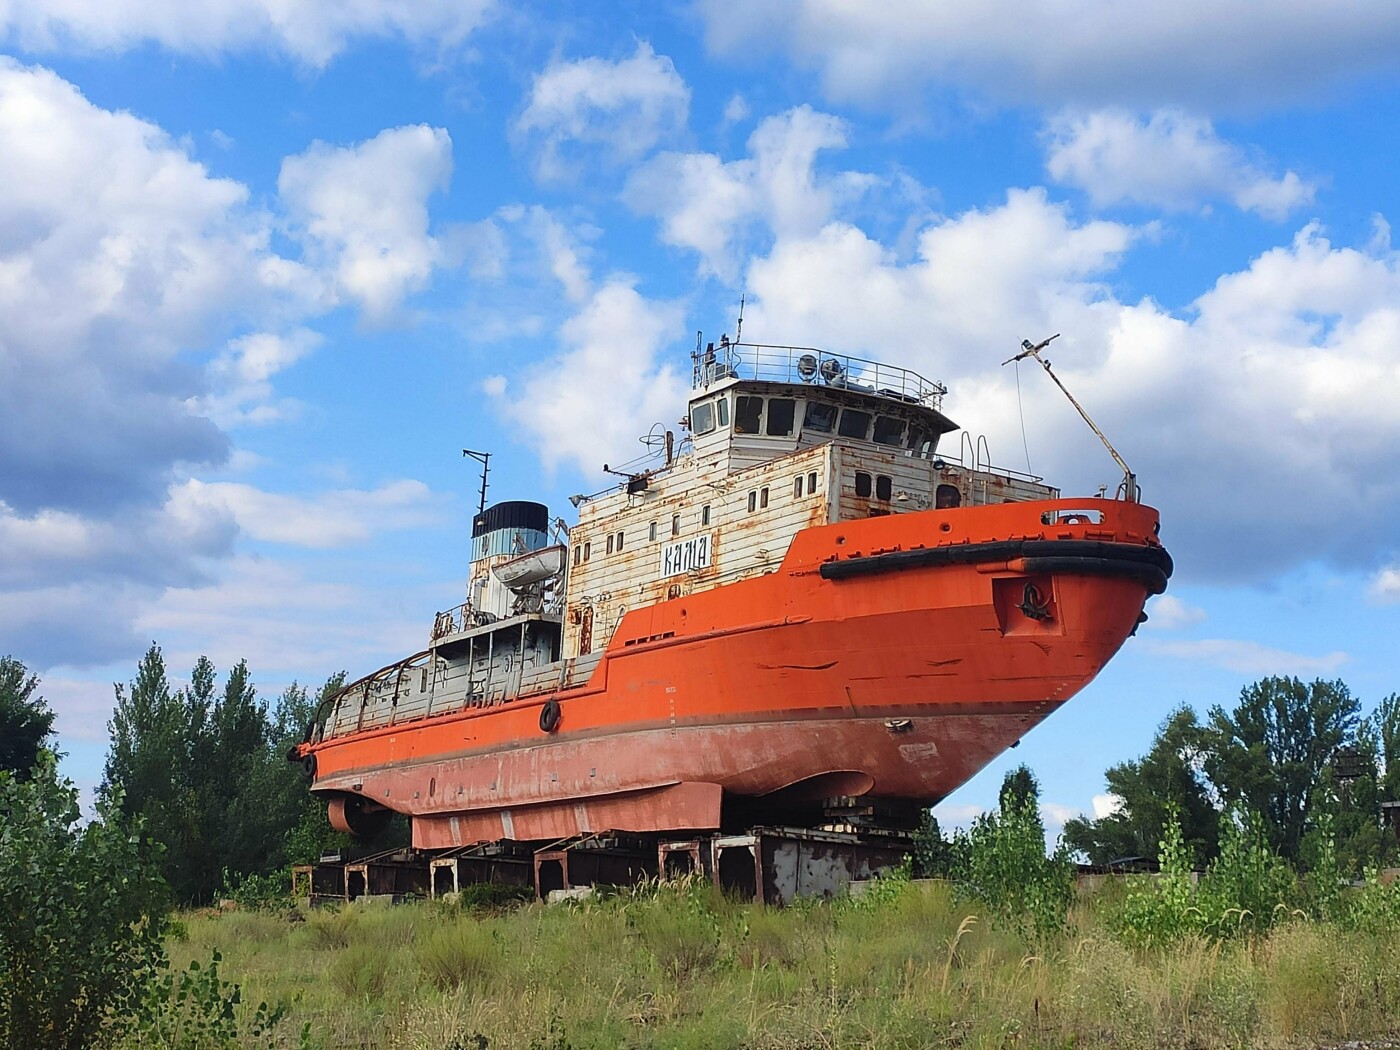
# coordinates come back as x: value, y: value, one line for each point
x: 591, y: 403
x: 1166, y: 612
x: 242, y: 374
x: 310, y: 31
x: 1055, y: 815
x: 1385, y: 586
x: 1195, y: 53
x: 1106, y: 805
x: 1250, y: 658
x: 362, y: 211
x: 1172, y: 160
x: 614, y: 111
x: 1282, y: 371
x: 331, y: 519
x: 708, y: 205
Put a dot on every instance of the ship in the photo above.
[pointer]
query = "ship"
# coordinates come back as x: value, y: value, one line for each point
x: 808, y: 603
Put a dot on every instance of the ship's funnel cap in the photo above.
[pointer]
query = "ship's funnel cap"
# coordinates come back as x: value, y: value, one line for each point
x: 513, y: 514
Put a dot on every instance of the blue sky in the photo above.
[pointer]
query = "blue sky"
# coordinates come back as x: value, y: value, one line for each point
x: 265, y: 271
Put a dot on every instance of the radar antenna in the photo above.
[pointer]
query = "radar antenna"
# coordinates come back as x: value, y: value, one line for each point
x: 1129, y: 488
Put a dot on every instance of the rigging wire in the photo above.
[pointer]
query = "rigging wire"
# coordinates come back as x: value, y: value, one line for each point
x: 1022, y: 413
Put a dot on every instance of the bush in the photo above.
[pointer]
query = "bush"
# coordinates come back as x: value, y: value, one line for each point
x: 198, y: 1010
x: 82, y: 913
x: 460, y: 954
x: 1004, y: 868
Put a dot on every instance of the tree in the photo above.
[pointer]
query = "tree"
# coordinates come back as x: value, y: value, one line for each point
x: 82, y: 916
x: 25, y: 720
x: 150, y: 771
x: 1384, y: 723
x: 1019, y: 788
x: 1268, y: 755
x: 1167, y: 780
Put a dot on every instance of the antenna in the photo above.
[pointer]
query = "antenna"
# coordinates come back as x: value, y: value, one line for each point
x: 1029, y: 349
x: 739, y: 328
x: 484, y: 458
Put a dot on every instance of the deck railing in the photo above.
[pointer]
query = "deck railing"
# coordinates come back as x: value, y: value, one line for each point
x: 808, y: 365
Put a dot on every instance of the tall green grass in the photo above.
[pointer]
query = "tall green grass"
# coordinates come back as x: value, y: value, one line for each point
x: 683, y: 966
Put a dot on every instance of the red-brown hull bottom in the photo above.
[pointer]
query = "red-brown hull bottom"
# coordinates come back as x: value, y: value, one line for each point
x: 893, y: 681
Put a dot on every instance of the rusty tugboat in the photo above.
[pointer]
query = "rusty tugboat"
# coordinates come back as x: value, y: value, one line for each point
x: 802, y: 624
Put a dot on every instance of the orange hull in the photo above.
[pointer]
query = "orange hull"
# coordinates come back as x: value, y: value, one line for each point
x: 892, y: 656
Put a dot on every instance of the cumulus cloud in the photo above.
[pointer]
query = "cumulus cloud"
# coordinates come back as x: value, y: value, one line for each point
x: 120, y: 252
x: 589, y: 404
x: 1280, y: 371
x: 1106, y: 805
x: 362, y: 211
x: 1248, y: 658
x: 1170, y: 160
x: 612, y: 111
x: 1196, y: 53
x: 312, y: 32
x: 142, y: 309
x: 709, y: 205
x: 331, y: 519
x: 1166, y: 612
x: 1385, y: 586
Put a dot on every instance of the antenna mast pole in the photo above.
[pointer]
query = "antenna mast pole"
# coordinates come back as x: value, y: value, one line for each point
x: 484, y: 458
x: 1029, y: 349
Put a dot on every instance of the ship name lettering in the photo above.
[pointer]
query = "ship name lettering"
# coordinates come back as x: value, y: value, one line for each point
x: 685, y: 555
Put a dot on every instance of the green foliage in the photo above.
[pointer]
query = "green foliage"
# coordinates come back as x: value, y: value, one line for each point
x: 1019, y: 789
x: 678, y: 922
x: 1165, y: 784
x: 482, y: 897
x: 1268, y: 754
x: 1375, y: 908
x: 934, y: 856
x: 1157, y: 912
x: 25, y: 720
x: 1006, y: 869
x: 1247, y: 888
x: 459, y: 955
x: 81, y: 916
x: 196, y: 1009
x: 207, y: 769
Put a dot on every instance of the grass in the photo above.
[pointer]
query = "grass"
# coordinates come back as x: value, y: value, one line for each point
x: 686, y: 968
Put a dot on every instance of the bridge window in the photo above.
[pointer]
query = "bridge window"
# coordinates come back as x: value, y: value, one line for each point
x: 820, y: 416
x: 747, y: 411
x: 702, y: 417
x: 722, y: 405
x: 862, y: 484
x: 888, y: 430
x: 915, y: 443
x: 884, y: 489
x: 854, y: 424
x: 781, y: 412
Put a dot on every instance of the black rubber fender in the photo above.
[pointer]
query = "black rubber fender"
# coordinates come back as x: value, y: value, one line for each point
x: 549, y: 716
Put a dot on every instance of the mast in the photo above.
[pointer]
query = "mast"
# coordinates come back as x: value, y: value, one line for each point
x: 1029, y: 349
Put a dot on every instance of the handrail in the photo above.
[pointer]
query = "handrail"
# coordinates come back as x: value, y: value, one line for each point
x: 811, y: 366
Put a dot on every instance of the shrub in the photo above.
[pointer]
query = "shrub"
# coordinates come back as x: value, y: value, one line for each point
x: 1006, y: 870
x: 198, y: 1010
x: 1160, y: 911
x: 361, y: 971
x: 82, y: 913
x: 460, y: 954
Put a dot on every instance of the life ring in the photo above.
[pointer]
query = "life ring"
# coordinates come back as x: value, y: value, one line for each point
x: 549, y: 716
